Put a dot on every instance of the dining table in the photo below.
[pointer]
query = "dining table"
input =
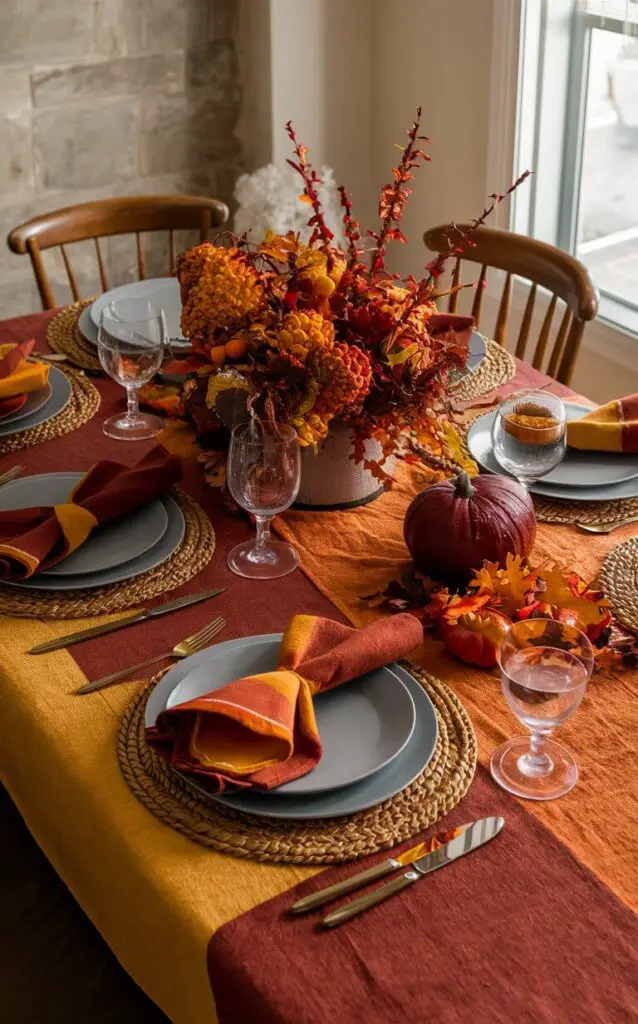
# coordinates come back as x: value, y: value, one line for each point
x: 206, y: 933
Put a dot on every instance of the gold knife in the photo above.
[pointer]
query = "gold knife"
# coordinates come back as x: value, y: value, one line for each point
x: 111, y: 627
x: 386, y: 867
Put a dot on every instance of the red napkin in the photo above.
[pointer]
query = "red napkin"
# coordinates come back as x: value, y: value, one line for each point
x: 17, y: 353
x: 36, y: 538
x: 260, y: 731
x: 13, y: 404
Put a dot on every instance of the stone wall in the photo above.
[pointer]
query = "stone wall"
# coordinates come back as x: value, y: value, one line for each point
x: 111, y: 97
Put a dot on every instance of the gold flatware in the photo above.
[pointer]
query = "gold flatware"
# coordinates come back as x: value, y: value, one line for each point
x: 10, y: 474
x: 51, y: 357
x: 606, y: 527
x: 111, y: 627
x: 184, y: 649
x: 478, y: 833
x: 386, y: 867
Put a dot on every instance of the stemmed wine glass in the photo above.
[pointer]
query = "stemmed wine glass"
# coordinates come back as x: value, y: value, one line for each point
x: 264, y: 473
x: 131, y: 346
x: 528, y: 434
x: 545, y: 667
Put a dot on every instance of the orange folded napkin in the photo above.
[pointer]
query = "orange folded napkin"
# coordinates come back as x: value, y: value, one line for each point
x: 260, y: 731
x: 610, y: 428
x: 17, y: 376
x: 32, y: 539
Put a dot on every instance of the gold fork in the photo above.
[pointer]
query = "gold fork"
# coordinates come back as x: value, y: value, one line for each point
x: 606, y: 527
x: 191, y: 645
x: 10, y: 474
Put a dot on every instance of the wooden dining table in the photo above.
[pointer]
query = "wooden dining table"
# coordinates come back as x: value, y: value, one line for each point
x: 202, y: 932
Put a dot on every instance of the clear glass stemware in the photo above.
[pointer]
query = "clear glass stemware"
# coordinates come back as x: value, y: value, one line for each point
x: 528, y: 435
x: 545, y: 667
x: 131, y: 346
x: 264, y: 473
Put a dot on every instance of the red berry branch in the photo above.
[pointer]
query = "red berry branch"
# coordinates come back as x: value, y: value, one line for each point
x: 310, y: 179
x: 351, y: 228
x: 394, y: 197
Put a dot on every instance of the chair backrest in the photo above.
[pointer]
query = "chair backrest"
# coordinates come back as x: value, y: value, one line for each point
x: 120, y: 216
x: 543, y: 266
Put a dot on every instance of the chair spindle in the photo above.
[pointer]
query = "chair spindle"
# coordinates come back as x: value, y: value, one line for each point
x: 171, y: 256
x: 526, y: 322
x: 100, y: 262
x: 141, y: 262
x: 478, y: 298
x: 71, y: 276
x: 500, y: 333
x: 456, y: 280
x: 559, y: 344
x: 543, y: 337
x: 41, y: 276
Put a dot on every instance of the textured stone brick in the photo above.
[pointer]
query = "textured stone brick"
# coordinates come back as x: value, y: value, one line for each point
x: 157, y: 71
x: 215, y: 66
x: 16, y: 162
x: 45, y: 29
x: 15, y: 90
x: 166, y: 24
x: 81, y: 147
x: 186, y: 132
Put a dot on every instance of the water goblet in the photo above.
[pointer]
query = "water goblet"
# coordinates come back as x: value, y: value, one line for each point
x: 131, y: 346
x: 545, y: 667
x: 528, y: 435
x: 264, y: 473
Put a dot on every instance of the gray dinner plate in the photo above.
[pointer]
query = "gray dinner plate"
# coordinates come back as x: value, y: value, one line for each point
x: 150, y: 559
x: 61, y: 392
x: 363, y: 725
x: 87, y: 328
x: 36, y: 400
x: 579, y: 470
x: 476, y: 351
x: 369, y: 792
x: 110, y: 545
x: 163, y: 292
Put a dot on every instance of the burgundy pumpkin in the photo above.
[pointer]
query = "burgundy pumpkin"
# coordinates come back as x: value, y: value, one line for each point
x: 452, y: 527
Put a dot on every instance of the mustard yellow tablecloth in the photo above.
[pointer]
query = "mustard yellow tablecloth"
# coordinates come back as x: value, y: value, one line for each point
x: 155, y: 896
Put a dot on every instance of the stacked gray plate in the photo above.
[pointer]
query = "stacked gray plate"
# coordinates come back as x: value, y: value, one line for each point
x: 581, y: 476
x: 117, y: 551
x: 378, y: 732
x: 163, y: 292
x: 40, y: 406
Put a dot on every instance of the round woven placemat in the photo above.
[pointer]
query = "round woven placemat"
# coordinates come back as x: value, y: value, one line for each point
x: 495, y: 369
x: 191, y: 556
x: 571, y: 513
x: 619, y: 580
x: 82, y: 405
x: 437, y: 790
x: 64, y: 336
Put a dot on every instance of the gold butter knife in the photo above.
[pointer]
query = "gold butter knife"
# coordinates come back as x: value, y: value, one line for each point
x: 386, y: 867
x: 111, y: 627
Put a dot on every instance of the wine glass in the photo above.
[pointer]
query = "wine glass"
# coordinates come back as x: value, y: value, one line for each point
x: 528, y: 434
x: 264, y: 472
x: 545, y: 667
x: 131, y: 346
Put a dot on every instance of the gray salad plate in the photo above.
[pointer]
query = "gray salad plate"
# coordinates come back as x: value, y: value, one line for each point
x: 589, y: 472
x: 110, y: 545
x: 126, y: 570
x: 36, y: 400
x: 260, y: 653
x: 59, y: 396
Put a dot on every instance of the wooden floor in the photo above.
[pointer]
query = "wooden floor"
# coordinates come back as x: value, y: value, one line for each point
x: 54, y: 966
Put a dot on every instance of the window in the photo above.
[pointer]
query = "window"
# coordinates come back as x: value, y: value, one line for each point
x: 578, y: 129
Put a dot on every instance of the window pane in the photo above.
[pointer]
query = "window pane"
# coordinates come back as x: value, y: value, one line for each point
x: 608, y: 215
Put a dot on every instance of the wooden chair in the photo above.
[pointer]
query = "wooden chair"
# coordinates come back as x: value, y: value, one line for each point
x: 542, y: 265
x: 120, y: 216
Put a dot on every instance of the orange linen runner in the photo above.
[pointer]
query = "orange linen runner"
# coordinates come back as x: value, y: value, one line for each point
x: 355, y: 553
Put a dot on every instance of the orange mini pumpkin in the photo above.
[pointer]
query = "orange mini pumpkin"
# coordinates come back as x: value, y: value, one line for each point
x: 475, y: 637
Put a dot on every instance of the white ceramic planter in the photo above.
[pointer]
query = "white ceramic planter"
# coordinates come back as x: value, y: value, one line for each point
x: 330, y: 479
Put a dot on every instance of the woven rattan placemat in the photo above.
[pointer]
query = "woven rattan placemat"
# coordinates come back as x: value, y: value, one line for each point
x: 619, y: 579
x: 588, y: 512
x: 496, y: 368
x: 437, y: 790
x: 191, y: 557
x: 64, y: 336
x: 82, y: 405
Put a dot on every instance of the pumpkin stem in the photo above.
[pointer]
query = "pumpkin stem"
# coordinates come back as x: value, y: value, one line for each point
x: 463, y: 486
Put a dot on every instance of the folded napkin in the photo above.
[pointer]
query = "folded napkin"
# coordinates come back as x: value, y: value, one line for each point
x: 610, y: 428
x: 260, y: 731
x: 32, y: 539
x: 13, y: 404
x: 17, y: 376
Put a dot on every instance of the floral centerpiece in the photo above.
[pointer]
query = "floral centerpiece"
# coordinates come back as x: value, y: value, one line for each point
x: 311, y: 334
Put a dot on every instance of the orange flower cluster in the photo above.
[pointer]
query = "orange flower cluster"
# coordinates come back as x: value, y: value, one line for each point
x: 320, y: 335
